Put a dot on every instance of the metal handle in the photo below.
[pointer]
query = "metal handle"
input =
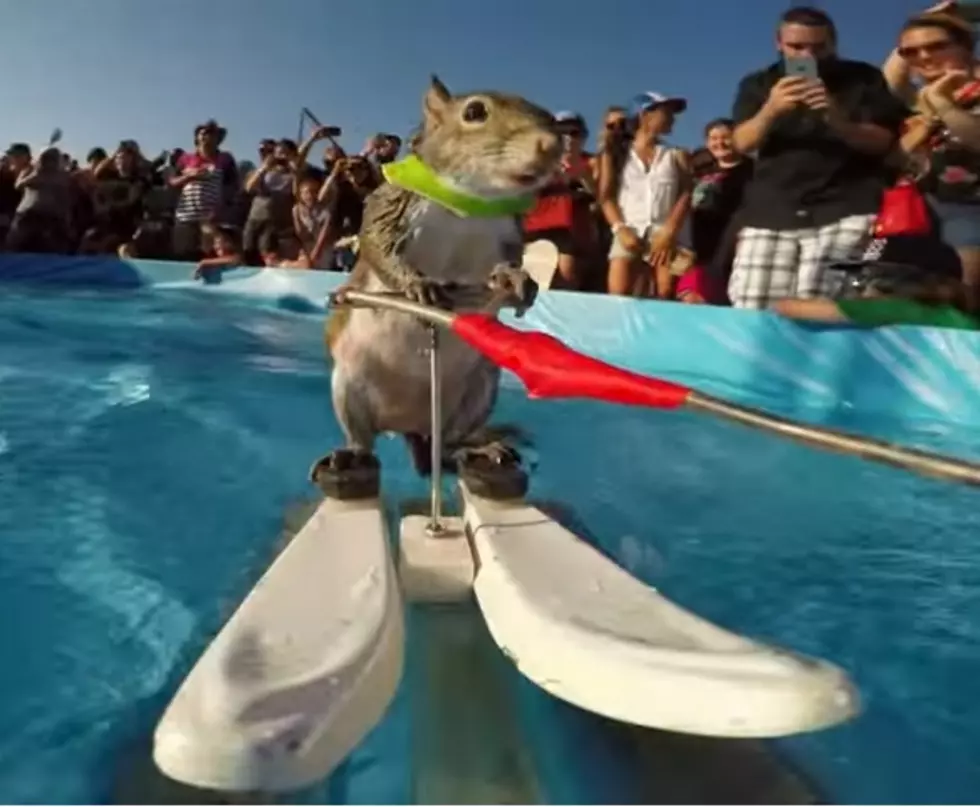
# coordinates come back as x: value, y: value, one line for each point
x: 925, y: 463
x: 393, y: 302
x: 435, y: 406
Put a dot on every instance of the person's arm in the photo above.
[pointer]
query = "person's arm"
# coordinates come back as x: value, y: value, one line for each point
x: 874, y: 129
x: 301, y: 230
x: 299, y: 173
x: 753, y: 118
x: 104, y: 167
x: 609, y: 205
x: 255, y: 178
x: 664, y: 240
x: 231, y: 261
x: 963, y: 125
x: 682, y: 206
x: 303, y: 153
x: 184, y: 179
x: 938, y: 100
x: 897, y: 77
x: 813, y: 310
x: 328, y: 190
x: 186, y: 174
x: 325, y: 239
x: 235, y: 259
x: 27, y: 178
x: 329, y: 232
x: 607, y: 196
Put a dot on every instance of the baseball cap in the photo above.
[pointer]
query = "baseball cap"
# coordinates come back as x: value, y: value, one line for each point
x: 19, y: 149
x: 646, y: 101
x: 571, y: 122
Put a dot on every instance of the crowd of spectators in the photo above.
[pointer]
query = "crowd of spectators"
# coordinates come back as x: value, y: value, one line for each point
x: 785, y: 201
x: 199, y: 205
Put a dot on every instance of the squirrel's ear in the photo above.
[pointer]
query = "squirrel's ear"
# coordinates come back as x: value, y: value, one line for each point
x: 436, y: 99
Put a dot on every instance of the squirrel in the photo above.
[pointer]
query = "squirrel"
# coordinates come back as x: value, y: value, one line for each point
x: 447, y: 217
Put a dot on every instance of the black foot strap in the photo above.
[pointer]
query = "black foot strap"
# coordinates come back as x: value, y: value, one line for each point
x: 348, y: 474
x: 493, y: 474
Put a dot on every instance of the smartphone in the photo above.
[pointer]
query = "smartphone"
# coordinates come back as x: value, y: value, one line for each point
x: 802, y: 67
x: 332, y: 131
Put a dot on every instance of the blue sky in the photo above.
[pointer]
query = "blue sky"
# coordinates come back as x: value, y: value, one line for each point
x: 103, y: 70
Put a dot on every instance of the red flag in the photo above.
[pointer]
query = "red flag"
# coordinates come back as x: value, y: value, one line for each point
x: 551, y: 369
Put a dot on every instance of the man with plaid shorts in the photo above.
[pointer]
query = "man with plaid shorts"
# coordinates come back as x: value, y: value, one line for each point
x: 819, y: 174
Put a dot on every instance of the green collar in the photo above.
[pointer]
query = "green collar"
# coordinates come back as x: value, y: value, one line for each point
x: 414, y: 175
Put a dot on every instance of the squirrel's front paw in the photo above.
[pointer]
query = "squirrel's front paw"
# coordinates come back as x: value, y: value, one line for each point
x: 515, y: 284
x: 426, y: 291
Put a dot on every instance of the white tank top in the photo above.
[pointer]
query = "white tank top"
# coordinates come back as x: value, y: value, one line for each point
x: 646, y: 196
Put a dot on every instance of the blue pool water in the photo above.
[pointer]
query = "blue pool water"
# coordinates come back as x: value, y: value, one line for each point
x: 150, y: 443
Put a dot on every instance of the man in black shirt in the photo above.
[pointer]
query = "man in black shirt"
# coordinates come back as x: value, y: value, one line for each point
x: 819, y: 174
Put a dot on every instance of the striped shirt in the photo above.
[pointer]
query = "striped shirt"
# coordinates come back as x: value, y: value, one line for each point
x: 202, y: 198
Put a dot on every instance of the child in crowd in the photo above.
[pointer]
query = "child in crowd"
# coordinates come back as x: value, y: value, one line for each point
x: 309, y: 218
x: 225, y: 252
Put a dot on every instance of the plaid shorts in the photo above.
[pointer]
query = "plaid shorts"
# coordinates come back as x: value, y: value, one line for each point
x: 774, y: 265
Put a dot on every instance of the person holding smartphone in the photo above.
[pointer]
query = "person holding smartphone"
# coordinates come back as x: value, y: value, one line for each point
x: 934, y: 70
x: 270, y: 187
x: 820, y: 127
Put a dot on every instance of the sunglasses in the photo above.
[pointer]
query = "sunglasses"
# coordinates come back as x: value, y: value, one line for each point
x: 928, y: 49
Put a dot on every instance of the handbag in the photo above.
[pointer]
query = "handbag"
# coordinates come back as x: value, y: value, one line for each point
x: 903, y: 211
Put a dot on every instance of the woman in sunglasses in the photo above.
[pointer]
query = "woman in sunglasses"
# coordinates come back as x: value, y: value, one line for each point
x: 934, y: 70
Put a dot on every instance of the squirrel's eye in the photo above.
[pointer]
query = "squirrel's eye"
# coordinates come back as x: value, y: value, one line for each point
x: 475, y: 112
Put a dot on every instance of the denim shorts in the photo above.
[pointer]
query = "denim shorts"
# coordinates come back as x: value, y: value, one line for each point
x: 959, y: 223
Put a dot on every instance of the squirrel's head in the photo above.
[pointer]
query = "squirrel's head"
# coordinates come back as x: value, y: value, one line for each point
x: 488, y: 142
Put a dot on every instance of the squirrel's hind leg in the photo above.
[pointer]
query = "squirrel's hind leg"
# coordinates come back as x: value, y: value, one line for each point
x: 352, y: 472
x: 483, y: 456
